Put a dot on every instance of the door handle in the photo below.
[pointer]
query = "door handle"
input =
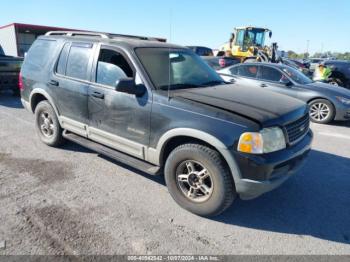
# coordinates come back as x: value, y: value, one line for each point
x: 54, y: 83
x: 98, y: 95
x: 263, y: 85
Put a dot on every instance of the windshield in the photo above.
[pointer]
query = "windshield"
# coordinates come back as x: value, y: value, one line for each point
x: 252, y: 37
x: 177, y: 68
x: 296, y: 75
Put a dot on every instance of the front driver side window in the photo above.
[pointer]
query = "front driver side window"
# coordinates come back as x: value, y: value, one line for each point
x: 270, y: 74
x: 111, y: 67
x: 248, y: 71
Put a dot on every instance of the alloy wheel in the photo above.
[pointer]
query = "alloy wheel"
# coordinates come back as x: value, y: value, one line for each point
x: 46, y: 124
x: 194, y: 181
x: 319, y: 112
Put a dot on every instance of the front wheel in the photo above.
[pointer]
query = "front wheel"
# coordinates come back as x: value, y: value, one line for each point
x: 321, y: 111
x: 198, y: 180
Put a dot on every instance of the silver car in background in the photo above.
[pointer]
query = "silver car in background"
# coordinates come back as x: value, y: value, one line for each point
x: 327, y: 102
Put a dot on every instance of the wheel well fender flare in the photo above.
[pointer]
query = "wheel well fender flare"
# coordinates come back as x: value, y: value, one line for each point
x: 43, y: 93
x: 323, y: 98
x: 198, y: 135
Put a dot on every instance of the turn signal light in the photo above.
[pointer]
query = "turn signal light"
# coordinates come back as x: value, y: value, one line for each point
x: 251, y: 143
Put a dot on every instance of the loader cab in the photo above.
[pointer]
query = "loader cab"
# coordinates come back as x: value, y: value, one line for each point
x: 250, y: 37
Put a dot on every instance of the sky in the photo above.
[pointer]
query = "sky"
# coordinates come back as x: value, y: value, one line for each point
x: 324, y: 24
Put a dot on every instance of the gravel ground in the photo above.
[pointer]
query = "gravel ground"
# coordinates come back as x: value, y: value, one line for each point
x: 73, y: 201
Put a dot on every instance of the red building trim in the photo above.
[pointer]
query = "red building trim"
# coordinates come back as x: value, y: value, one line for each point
x: 37, y: 27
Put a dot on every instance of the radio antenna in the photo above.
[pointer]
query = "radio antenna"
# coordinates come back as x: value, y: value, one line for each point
x: 170, y: 39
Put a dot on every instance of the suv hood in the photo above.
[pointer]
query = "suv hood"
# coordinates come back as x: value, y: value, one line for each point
x: 258, y: 104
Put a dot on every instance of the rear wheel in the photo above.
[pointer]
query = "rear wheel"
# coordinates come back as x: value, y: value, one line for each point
x: 321, y: 111
x: 47, y: 125
x: 199, y: 180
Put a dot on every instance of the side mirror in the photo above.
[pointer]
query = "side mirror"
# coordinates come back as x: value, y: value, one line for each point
x: 287, y: 83
x: 270, y: 34
x: 127, y: 85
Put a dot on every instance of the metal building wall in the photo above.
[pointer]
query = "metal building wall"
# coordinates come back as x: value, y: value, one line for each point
x: 8, y: 40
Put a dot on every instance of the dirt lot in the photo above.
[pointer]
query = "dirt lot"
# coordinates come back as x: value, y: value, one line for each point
x: 73, y: 201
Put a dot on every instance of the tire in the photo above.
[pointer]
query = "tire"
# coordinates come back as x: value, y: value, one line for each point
x: 335, y: 82
x: 220, y: 189
x: 316, y: 115
x: 47, y: 125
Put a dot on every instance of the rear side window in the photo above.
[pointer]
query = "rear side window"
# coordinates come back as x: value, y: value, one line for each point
x: 39, y: 55
x: 78, y: 61
x: 270, y: 74
x: 248, y: 71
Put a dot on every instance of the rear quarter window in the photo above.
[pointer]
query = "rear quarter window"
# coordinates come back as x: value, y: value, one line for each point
x: 39, y: 55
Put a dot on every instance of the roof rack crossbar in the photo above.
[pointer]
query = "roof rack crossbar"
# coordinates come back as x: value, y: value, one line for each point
x: 77, y: 33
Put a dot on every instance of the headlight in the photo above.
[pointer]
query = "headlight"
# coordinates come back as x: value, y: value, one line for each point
x: 266, y: 141
x: 344, y: 100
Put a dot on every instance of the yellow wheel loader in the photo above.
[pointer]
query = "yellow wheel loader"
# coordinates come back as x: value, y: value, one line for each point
x: 248, y: 44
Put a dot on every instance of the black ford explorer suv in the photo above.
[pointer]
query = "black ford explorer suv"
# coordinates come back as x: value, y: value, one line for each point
x: 162, y: 109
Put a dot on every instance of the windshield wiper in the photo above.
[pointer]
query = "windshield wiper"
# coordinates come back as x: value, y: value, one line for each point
x: 178, y: 86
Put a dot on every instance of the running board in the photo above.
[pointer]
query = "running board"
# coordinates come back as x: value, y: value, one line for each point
x: 114, y: 154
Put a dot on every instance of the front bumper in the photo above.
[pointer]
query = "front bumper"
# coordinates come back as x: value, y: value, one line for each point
x: 261, y: 174
x: 342, y: 112
x: 26, y: 105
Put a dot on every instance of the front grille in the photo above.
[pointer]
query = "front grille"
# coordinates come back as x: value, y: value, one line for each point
x: 297, y: 129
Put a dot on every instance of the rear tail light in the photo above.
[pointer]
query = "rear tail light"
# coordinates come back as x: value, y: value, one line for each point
x: 222, y: 62
x: 20, y: 82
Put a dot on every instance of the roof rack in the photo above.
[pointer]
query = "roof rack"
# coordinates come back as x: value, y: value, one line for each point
x: 137, y: 37
x: 77, y: 33
x: 103, y: 35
